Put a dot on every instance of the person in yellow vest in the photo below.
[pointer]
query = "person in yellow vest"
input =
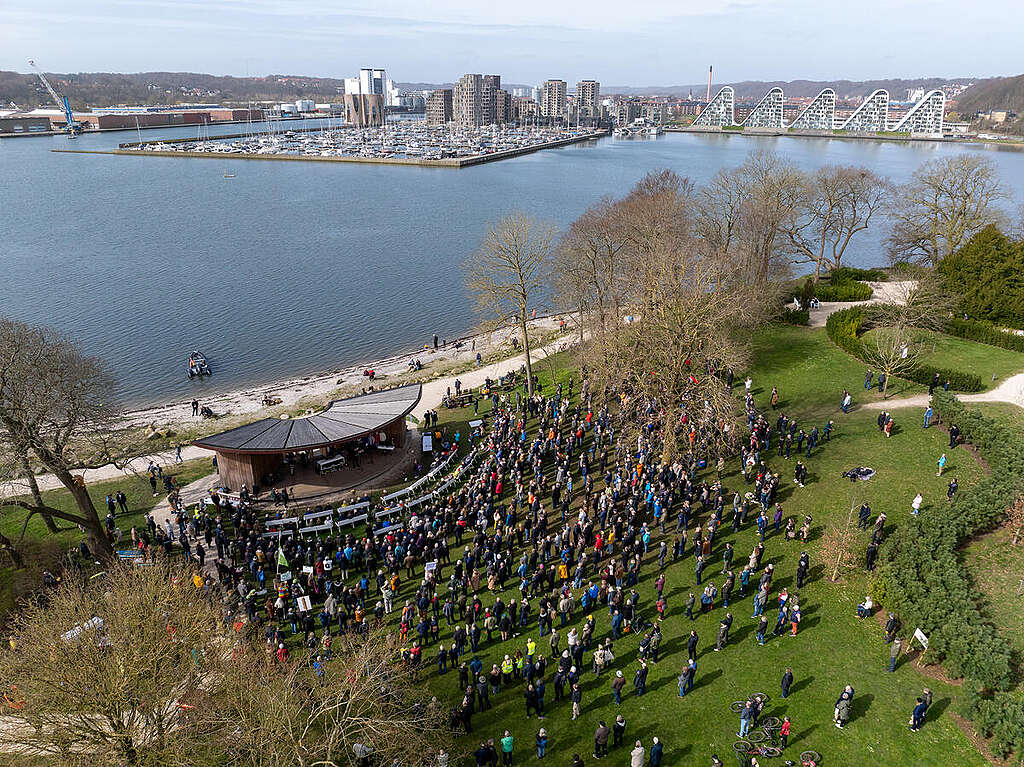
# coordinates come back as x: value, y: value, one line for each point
x: 531, y: 649
x: 520, y: 662
x: 197, y: 581
x: 506, y: 670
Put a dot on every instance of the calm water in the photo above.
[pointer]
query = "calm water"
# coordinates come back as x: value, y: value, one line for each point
x: 292, y: 268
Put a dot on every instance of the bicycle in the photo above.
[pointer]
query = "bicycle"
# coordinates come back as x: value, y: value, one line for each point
x: 737, y: 705
x: 745, y: 748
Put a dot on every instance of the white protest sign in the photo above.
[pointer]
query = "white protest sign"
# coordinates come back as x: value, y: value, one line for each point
x: 304, y: 604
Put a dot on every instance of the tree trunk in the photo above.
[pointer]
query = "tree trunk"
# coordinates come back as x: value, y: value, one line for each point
x: 37, y: 498
x: 526, y: 348
x: 98, y: 541
x: 16, y: 558
x: 885, y: 387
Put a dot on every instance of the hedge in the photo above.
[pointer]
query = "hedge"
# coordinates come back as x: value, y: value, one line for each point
x: 850, y: 273
x: 985, y: 333
x: 922, y: 578
x: 796, y: 316
x: 845, y: 327
x: 843, y: 291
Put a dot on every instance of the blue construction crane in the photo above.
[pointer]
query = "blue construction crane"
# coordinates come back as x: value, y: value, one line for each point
x: 73, y: 127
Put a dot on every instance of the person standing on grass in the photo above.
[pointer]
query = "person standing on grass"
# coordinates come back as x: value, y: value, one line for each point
x: 542, y: 743
x: 636, y: 756
x: 867, y: 378
x: 941, y: 464
x: 617, y: 684
x: 618, y: 730
x: 915, y: 505
x: 951, y: 490
x: 507, y: 746
x: 691, y: 645
x: 577, y: 697
x: 844, y: 705
x: 601, y: 740
x: 656, y: 751
x: 784, y: 732
x: 894, y: 653
x: 745, y: 716
x: 918, y: 714
x: 787, y: 681
x: 928, y: 416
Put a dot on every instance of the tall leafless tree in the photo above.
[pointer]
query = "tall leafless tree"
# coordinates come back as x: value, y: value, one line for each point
x: 56, y: 411
x: 834, y: 205
x: 945, y: 203
x: 507, y: 273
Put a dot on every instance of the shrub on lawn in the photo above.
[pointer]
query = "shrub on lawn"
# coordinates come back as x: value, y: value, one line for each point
x: 796, y: 316
x: 985, y: 333
x: 843, y: 291
x: 851, y: 274
x: 845, y: 327
x: 923, y: 578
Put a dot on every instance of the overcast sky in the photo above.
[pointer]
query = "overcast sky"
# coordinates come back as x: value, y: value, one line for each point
x: 619, y: 42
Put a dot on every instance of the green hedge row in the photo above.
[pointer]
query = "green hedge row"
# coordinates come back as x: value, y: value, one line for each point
x: 843, y: 291
x: 845, y: 327
x: 796, y: 316
x: 984, y: 332
x: 923, y: 579
x: 850, y: 273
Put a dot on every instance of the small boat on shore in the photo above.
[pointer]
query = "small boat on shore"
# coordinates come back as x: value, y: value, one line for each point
x: 198, y: 366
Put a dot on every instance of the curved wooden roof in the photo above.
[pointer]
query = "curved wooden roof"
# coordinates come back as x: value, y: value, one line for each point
x: 343, y: 420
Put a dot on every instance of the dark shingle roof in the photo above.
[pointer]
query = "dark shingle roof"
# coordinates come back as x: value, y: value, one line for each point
x: 342, y: 420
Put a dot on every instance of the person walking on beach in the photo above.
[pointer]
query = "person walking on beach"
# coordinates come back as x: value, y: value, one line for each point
x: 195, y: 408
x: 177, y: 454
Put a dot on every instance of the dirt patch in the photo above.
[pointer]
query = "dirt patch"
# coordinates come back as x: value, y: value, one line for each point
x: 982, y: 744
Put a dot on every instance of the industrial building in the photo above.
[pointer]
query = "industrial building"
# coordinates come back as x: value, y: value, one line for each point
x: 17, y: 124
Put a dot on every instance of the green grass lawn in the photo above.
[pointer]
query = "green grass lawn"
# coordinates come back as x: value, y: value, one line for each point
x: 42, y: 549
x: 991, y: 363
x: 833, y: 647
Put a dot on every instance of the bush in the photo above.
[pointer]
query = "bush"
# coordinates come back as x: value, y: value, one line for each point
x: 987, y: 274
x: 843, y: 291
x: 923, y: 579
x: 984, y: 332
x: 796, y: 316
x: 845, y: 327
x: 851, y: 274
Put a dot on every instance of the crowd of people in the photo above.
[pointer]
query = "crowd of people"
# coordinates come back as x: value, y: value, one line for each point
x: 569, y: 509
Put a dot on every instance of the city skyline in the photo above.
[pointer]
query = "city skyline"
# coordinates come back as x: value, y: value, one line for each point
x: 654, y: 43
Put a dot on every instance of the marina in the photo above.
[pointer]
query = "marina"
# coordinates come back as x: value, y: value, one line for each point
x: 406, y: 142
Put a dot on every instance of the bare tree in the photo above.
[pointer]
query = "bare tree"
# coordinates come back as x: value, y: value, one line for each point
x: 365, y: 700
x: 891, y: 349
x: 55, y: 403
x: 507, y: 273
x: 835, y: 204
x: 744, y: 212
x: 103, y: 672
x: 838, y: 545
x: 694, y: 315
x: 1015, y: 520
x: 945, y: 203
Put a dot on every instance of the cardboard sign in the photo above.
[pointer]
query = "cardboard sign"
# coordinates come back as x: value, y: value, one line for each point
x: 429, y: 568
x: 428, y: 443
x: 304, y: 604
x: 307, y: 569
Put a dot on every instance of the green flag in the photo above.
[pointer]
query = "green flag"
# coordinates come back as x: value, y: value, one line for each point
x: 282, y: 560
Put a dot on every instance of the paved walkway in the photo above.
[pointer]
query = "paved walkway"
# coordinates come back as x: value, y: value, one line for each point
x: 1011, y: 390
x: 882, y: 292
x: 433, y: 394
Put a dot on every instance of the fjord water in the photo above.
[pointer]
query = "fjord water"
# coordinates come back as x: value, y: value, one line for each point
x: 292, y: 267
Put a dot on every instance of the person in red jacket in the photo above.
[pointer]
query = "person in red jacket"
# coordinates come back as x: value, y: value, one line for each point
x: 784, y: 732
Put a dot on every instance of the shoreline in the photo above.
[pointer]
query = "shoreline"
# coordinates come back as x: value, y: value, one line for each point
x: 457, y: 355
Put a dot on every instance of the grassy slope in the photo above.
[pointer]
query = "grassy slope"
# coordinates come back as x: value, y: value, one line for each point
x: 833, y: 648
x: 43, y: 548
x: 969, y: 356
